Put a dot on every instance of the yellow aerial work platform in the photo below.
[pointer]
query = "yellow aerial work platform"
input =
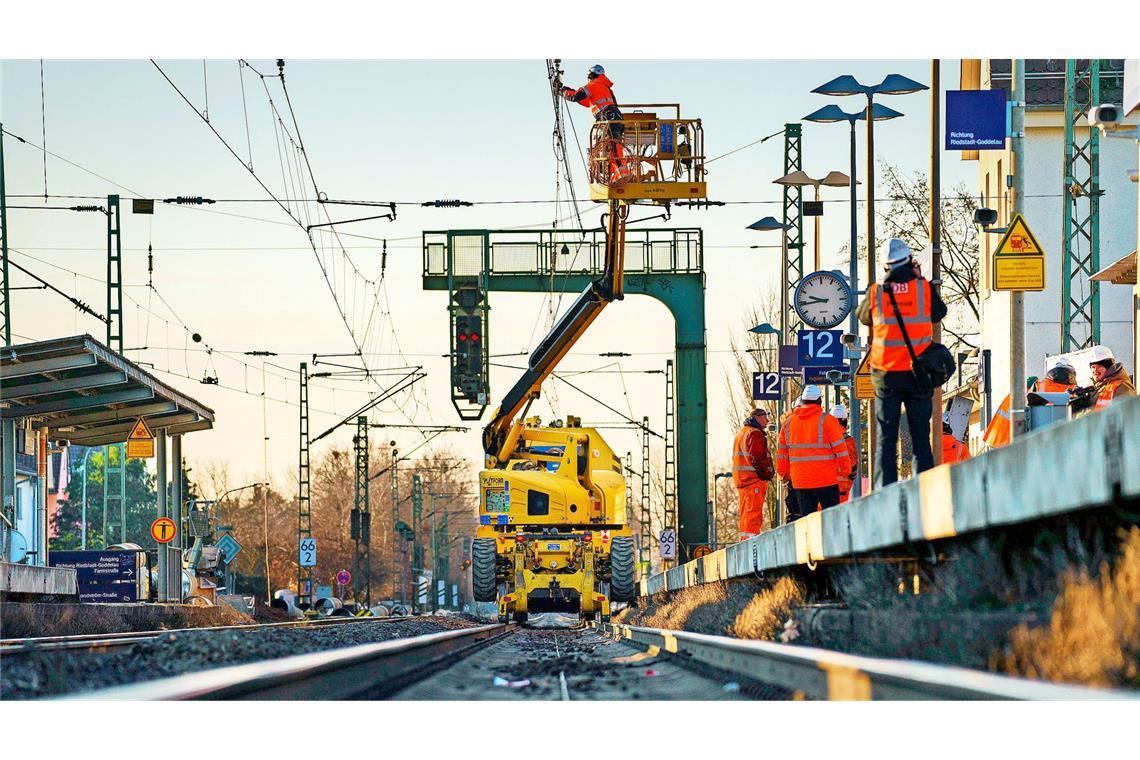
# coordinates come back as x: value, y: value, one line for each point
x: 652, y: 155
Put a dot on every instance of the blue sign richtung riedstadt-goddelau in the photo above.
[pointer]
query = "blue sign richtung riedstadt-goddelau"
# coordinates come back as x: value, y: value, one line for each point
x: 976, y: 119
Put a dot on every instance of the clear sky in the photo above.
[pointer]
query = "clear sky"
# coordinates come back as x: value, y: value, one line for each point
x: 243, y: 276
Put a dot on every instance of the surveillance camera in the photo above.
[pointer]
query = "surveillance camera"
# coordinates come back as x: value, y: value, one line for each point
x: 1105, y: 116
x: 849, y: 339
x: 834, y: 376
x: 985, y: 217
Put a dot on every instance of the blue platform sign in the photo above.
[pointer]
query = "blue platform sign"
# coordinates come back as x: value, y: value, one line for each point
x: 789, y: 361
x: 765, y: 386
x: 818, y: 375
x: 102, y: 576
x: 820, y: 348
x: 975, y: 119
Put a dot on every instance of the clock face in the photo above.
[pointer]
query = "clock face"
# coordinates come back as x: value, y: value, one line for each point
x: 823, y: 299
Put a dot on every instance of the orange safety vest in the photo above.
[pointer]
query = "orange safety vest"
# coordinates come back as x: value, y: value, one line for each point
x: 953, y: 450
x: 998, y: 431
x: 743, y: 473
x: 888, y: 348
x: 1104, y: 398
x: 599, y: 94
x: 812, y: 451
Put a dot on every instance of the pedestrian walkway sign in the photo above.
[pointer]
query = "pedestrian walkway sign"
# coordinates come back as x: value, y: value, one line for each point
x: 1018, y: 260
x: 140, y: 443
x: 864, y: 388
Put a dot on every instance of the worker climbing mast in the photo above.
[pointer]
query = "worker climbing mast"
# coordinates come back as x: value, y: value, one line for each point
x: 554, y: 532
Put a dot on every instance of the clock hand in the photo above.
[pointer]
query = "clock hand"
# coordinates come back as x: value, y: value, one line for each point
x: 813, y: 299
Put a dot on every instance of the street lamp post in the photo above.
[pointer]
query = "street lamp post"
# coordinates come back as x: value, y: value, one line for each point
x: 83, y: 526
x: 831, y: 114
x: 892, y: 84
x: 712, y: 518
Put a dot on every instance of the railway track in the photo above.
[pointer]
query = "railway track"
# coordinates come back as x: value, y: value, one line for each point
x: 107, y: 641
x: 602, y: 662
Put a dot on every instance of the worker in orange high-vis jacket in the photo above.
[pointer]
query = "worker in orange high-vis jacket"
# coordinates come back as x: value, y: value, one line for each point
x: 751, y: 470
x: 839, y: 412
x: 1112, y: 381
x: 953, y: 450
x: 903, y: 294
x: 1061, y: 378
x: 598, y: 95
x: 813, y: 454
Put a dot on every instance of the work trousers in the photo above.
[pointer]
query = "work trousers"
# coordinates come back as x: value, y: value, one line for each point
x: 893, y: 390
x: 808, y: 500
x: 752, y: 508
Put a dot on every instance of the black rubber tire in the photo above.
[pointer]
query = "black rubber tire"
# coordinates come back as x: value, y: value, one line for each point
x: 622, y: 586
x: 483, y: 584
x: 520, y: 618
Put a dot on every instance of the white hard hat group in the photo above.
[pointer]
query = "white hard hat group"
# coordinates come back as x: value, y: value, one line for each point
x: 839, y: 412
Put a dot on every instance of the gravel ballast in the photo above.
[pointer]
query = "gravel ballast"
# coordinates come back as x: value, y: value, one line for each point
x: 42, y: 674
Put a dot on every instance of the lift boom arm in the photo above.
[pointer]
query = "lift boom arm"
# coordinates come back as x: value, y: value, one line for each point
x: 502, y: 432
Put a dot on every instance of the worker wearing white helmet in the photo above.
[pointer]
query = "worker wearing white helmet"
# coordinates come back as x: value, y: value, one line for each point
x: 901, y: 312
x: 812, y: 454
x: 839, y: 412
x: 1111, y: 381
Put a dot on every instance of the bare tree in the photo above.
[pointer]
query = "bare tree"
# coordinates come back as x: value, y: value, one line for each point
x: 908, y: 218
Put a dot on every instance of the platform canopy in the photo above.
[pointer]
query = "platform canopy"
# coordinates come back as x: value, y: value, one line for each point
x: 89, y: 395
x: 1119, y: 272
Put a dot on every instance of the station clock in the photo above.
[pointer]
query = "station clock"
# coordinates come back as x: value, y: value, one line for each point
x: 823, y: 299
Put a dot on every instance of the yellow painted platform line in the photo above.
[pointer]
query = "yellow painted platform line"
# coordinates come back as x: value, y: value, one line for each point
x: 809, y: 538
x: 936, y: 503
x: 846, y: 683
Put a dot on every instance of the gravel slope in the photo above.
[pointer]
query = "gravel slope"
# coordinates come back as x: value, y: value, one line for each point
x: 32, y: 675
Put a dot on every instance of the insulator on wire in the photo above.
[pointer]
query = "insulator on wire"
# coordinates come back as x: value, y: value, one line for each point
x: 189, y: 200
x: 447, y: 203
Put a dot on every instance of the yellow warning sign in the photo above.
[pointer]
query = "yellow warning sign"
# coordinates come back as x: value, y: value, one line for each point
x: 1018, y: 240
x: 864, y: 388
x: 140, y: 443
x: 1019, y: 272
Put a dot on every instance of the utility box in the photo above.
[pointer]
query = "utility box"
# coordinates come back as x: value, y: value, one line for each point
x: 1047, y: 408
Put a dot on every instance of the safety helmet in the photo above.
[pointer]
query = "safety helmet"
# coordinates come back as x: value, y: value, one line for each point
x: 839, y: 412
x: 1101, y: 354
x: 1063, y: 372
x: 811, y: 393
x: 894, y: 253
x: 596, y: 70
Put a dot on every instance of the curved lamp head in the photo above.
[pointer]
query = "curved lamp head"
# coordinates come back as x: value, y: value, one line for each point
x: 832, y: 113
x: 836, y: 179
x: 844, y: 85
x: 897, y: 84
x: 892, y: 84
x: 764, y: 329
x: 798, y: 178
x: 767, y: 224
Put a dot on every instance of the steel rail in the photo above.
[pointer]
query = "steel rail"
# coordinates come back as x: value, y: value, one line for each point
x: 100, y: 641
x: 334, y: 674
x: 825, y: 674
